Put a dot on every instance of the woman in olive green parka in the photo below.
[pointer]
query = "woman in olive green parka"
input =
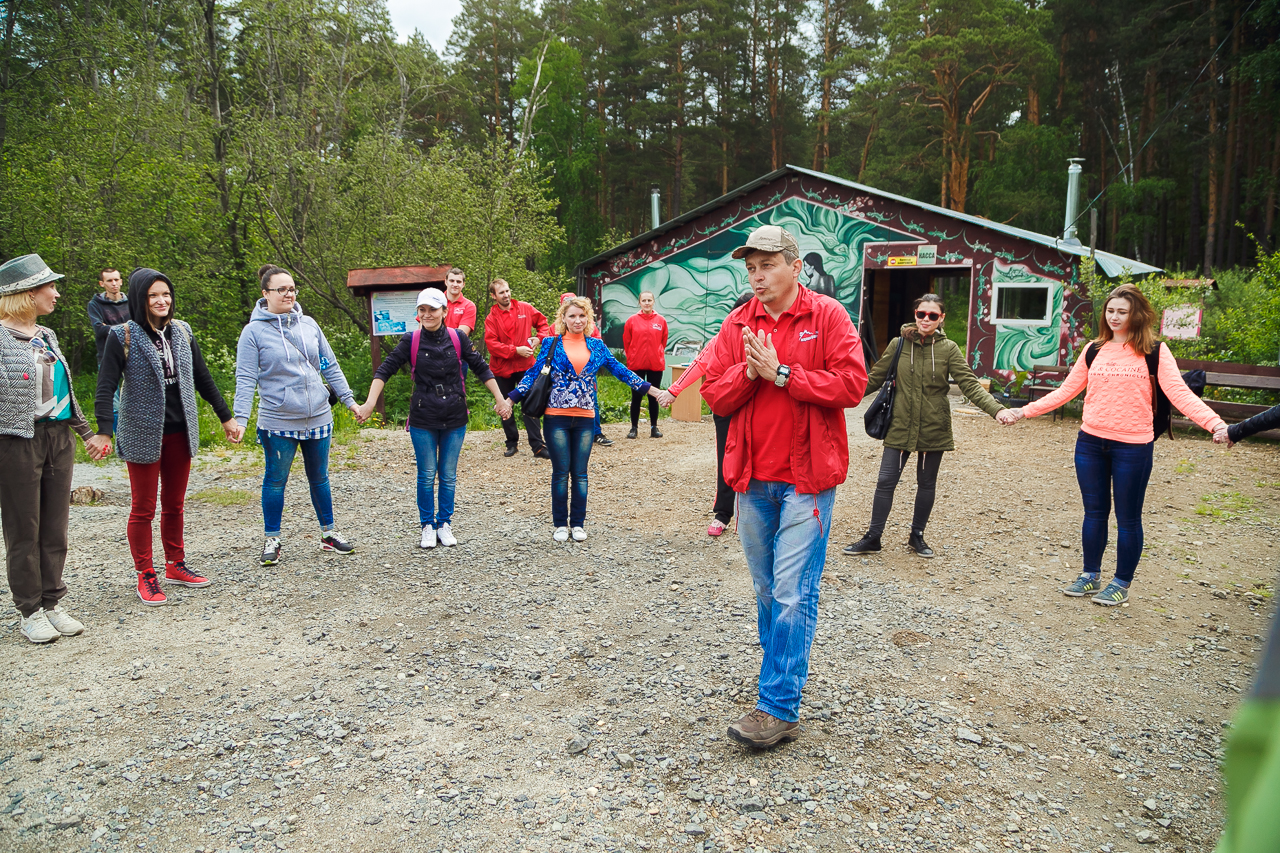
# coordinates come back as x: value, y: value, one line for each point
x: 921, y: 418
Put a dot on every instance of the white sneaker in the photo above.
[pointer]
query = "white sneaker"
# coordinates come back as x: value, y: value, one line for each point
x: 63, y: 622
x: 579, y: 535
x: 428, y: 537
x: 447, y: 539
x: 561, y: 534
x: 38, y: 629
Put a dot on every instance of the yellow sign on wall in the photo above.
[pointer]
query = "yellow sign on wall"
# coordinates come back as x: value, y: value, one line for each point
x: 902, y: 261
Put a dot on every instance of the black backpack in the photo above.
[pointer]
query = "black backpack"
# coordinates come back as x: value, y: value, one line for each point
x: 1161, y: 408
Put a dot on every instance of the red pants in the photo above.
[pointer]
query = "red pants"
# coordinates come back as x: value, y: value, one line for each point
x: 171, y: 472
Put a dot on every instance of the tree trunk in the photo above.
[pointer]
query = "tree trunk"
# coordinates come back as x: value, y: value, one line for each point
x: 1193, y: 217
x: 1210, y: 231
x: 1270, y: 216
x: 822, y: 147
x: 1225, y: 192
x: 1062, y: 71
x: 10, y: 13
x: 1033, y: 106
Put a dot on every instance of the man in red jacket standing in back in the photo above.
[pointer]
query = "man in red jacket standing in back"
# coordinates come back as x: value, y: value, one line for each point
x: 785, y: 365
x: 512, y: 333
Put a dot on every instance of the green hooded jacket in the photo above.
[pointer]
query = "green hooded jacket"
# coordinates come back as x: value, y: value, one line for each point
x: 921, y: 413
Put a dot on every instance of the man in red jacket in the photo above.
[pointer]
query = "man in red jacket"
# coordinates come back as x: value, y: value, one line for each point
x: 785, y: 366
x: 644, y: 340
x: 512, y: 333
x: 460, y: 313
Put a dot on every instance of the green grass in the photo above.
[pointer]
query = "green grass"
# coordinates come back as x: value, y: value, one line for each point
x: 1225, y: 505
x: 223, y: 497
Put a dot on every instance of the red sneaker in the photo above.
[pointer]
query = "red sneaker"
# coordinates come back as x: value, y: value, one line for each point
x: 179, y: 574
x: 149, y: 589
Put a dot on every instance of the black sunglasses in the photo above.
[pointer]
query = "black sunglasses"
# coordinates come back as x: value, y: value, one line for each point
x: 927, y: 315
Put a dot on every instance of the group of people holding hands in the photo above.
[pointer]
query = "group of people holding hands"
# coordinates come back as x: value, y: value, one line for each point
x: 778, y: 376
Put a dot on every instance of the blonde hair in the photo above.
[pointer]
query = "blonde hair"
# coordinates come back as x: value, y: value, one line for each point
x: 20, y: 306
x: 1142, y: 318
x: 582, y: 302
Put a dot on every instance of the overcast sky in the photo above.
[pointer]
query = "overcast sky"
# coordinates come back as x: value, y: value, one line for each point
x: 433, y: 17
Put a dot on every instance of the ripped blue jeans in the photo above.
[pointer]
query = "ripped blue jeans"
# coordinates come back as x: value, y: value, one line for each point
x: 784, y: 538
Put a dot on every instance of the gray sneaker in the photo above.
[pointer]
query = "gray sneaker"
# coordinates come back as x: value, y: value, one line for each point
x: 761, y: 729
x: 1083, y: 586
x: 1113, y: 595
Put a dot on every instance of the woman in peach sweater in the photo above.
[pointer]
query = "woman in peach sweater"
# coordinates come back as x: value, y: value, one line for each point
x: 1113, y: 449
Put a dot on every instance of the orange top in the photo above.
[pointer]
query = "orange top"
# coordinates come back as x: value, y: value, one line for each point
x: 1117, y: 404
x: 575, y: 347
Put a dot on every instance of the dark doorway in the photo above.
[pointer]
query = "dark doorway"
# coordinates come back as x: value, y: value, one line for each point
x: 889, y: 296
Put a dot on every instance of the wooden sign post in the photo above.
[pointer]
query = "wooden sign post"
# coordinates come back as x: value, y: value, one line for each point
x: 391, y: 294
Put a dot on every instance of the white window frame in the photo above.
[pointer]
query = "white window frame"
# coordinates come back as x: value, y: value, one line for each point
x: 1047, y: 286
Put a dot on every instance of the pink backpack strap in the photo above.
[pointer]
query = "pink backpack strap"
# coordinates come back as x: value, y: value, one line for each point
x: 457, y: 350
x: 413, y: 362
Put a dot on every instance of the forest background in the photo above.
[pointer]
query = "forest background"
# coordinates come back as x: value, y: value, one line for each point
x: 205, y: 137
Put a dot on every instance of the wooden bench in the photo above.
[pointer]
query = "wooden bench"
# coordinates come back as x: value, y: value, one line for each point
x: 1038, y: 382
x: 1221, y: 374
x: 1225, y: 374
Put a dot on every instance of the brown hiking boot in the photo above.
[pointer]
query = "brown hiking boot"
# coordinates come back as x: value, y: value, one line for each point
x: 761, y: 729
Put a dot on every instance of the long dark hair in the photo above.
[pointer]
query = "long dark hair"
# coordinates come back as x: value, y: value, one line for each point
x: 814, y: 260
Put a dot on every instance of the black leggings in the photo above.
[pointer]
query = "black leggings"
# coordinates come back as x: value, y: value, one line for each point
x: 892, y: 464
x: 653, y: 377
x: 723, y: 507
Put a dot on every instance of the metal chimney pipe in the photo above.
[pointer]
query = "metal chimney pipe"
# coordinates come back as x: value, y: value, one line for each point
x: 655, y: 208
x: 1073, y: 201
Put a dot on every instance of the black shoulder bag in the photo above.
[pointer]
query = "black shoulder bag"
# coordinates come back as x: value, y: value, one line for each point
x: 539, y: 396
x: 880, y: 414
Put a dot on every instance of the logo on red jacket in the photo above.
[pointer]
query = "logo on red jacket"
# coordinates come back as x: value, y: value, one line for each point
x: 806, y: 336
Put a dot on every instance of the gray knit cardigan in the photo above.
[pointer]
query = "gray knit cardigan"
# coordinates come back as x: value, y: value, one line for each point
x: 141, y: 429
x: 19, y: 393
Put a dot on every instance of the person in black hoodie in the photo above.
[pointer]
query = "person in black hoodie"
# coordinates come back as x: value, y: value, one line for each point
x: 106, y: 309
x: 159, y: 361
x: 438, y: 408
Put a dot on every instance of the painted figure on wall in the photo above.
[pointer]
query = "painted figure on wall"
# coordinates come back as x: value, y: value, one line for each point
x: 818, y: 280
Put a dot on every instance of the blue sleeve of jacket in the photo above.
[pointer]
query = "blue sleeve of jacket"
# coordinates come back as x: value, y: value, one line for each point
x: 620, y: 371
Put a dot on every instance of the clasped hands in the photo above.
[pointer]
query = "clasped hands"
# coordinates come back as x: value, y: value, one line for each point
x: 762, y: 358
x: 1006, y: 417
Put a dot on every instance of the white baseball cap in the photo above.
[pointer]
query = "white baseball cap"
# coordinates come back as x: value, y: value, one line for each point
x: 432, y: 298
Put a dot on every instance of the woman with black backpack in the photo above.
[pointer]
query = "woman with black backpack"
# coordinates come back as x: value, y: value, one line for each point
x: 1121, y: 369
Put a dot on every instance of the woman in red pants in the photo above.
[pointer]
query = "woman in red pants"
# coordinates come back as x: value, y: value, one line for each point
x: 159, y: 427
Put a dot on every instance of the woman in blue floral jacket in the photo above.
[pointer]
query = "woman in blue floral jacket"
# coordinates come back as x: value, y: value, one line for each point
x: 570, y: 417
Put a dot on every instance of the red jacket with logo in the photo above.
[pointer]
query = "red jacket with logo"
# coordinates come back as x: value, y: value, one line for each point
x: 460, y: 313
x: 828, y: 375
x: 506, y: 330
x: 644, y: 340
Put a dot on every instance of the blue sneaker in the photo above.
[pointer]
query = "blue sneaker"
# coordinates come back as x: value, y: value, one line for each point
x: 1083, y: 586
x: 1113, y: 595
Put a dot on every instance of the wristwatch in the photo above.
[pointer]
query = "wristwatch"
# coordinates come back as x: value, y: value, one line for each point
x: 784, y: 373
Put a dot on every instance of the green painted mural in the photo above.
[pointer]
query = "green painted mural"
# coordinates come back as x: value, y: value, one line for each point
x: 1023, y: 346
x: 696, y: 286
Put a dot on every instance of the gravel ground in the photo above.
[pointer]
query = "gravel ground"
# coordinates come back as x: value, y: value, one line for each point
x: 517, y: 694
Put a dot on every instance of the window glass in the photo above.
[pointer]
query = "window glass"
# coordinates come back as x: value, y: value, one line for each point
x: 1022, y: 303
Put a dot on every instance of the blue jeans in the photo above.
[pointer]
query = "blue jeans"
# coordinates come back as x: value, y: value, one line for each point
x: 785, y: 544
x: 569, y: 442
x: 1104, y: 467
x: 279, y: 453
x: 437, y: 452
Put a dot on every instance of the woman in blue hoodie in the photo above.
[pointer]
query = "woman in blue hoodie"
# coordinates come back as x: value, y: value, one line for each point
x: 283, y: 354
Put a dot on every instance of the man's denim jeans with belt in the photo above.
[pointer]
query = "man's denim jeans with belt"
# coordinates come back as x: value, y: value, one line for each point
x: 784, y: 536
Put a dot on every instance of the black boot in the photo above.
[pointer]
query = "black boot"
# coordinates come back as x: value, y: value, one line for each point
x: 867, y: 544
x: 916, y: 543
x: 632, y: 434
x: 654, y: 432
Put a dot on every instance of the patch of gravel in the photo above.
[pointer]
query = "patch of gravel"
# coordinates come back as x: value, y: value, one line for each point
x: 518, y: 694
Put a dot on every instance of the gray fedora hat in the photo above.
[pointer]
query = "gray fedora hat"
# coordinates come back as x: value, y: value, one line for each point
x: 25, y: 273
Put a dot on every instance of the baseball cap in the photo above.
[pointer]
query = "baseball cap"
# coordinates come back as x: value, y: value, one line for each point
x: 432, y: 298
x: 768, y: 238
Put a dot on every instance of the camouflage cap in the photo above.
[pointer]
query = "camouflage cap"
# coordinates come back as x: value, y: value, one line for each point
x: 768, y: 238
